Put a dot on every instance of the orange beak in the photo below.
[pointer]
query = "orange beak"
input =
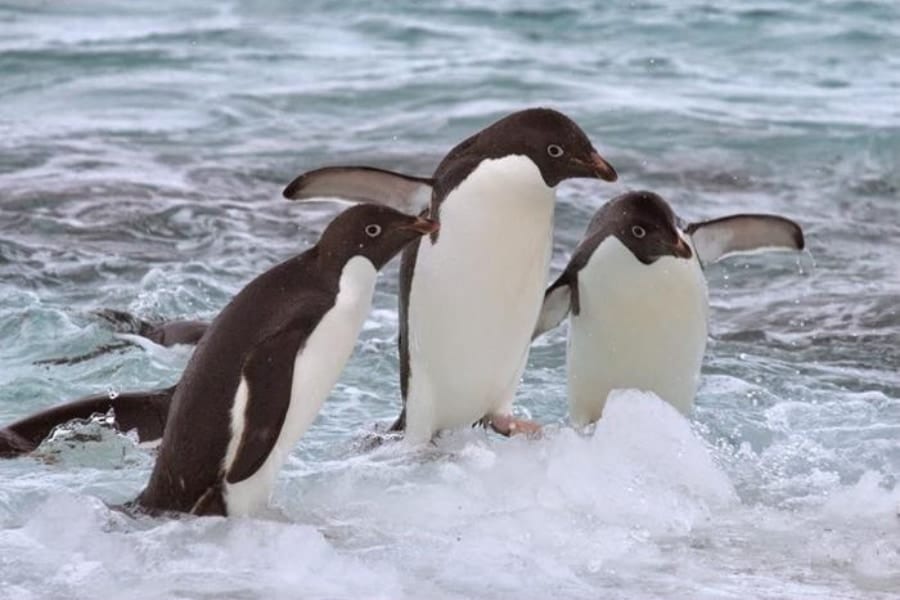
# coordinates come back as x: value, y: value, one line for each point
x: 602, y: 169
x: 681, y: 249
x: 424, y: 226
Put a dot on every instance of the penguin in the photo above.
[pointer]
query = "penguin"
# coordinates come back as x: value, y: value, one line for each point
x: 470, y: 294
x: 264, y: 367
x: 167, y: 333
x: 142, y: 412
x: 637, y: 300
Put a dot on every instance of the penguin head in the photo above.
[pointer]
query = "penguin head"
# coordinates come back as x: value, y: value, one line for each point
x: 647, y: 226
x: 553, y: 142
x: 373, y: 231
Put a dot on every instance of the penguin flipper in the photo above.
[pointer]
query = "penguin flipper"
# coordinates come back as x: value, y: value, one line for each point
x: 125, y: 322
x: 269, y: 372
x: 144, y: 411
x: 406, y: 193
x: 180, y: 332
x: 558, y: 301
x: 12, y: 444
x: 743, y: 233
x: 399, y: 425
x: 74, y: 360
x: 167, y: 333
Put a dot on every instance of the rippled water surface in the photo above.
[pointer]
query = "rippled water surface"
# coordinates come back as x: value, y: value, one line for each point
x: 143, y: 149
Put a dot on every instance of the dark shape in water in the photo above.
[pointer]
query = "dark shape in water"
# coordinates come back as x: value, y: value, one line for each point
x: 169, y: 333
x: 143, y: 411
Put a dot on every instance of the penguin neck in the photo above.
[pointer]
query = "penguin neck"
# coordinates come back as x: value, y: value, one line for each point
x: 508, y: 188
x: 502, y: 210
x: 330, y: 261
x: 515, y: 173
x: 614, y: 268
x: 357, y: 283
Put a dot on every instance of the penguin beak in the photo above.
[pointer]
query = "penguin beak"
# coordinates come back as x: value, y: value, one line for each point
x: 600, y: 168
x: 681, y: 249
x: 423, y: 225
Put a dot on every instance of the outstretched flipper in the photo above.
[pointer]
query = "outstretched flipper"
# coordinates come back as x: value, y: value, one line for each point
x: 712, y: 240
x: 13, y: 444
x: 74, y: 360
x: 743, y: 233
x: 167, y: 334
x: 143, y: 411
x: 406, y: 193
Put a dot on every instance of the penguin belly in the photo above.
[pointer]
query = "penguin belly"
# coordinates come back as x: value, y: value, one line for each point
x: 317, y: 367
x: 639, y: 326
x: 475, y: 296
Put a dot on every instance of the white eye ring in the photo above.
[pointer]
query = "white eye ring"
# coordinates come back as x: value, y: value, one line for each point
x: 373, y: 230
x: 555, y: 151
x: 638, y: 231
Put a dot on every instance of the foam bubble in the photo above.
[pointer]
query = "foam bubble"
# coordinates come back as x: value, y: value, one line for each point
x: 72, y: 544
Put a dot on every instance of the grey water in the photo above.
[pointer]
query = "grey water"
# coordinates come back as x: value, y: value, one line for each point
x: 143, y: 149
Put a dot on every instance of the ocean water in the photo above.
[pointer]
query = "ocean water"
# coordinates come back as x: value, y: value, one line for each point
x: 143, y: 149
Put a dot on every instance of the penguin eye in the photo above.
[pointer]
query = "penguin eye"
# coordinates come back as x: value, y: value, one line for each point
x: 554, y: 151
x: 638, y: 231
x: 373, y: 230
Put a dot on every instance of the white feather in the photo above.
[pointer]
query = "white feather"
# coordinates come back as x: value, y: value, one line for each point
x: 476, y: 295
x: 238, y: 420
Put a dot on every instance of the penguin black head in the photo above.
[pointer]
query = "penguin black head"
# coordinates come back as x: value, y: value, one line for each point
x: 647, y: 226
x: 559, y: 148
x: 373, y: 231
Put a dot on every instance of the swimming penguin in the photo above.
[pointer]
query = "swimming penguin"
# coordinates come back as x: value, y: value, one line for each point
x: 261, y: 372
x: 166, y: 333
x: 470, y: 294
x: 637, y: 296
x: 142, y: 412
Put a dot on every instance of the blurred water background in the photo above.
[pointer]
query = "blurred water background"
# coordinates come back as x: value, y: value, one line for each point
x: 143, y: 149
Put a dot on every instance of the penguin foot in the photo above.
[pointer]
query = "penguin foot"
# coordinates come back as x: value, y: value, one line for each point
x: 509, y: 426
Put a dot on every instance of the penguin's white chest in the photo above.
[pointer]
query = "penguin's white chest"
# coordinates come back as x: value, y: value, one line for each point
x: 640, y: 326
x: 476, y: 294
x: 317, y: 367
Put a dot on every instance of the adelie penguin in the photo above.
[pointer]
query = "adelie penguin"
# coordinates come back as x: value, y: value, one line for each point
x: 636, y: 298
x: 264, y: 367
x: 470, y: 295
x: 168, y: 334
x: 261, y: 372
x: 142, y: 412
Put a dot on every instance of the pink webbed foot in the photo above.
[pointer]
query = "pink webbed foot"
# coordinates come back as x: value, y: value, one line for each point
x: 508, y: 425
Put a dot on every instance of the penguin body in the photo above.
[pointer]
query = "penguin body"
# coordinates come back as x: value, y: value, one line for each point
x: 637, y: 300
x: 266, y: 364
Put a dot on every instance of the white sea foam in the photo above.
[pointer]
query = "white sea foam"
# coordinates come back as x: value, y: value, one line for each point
x: 569, y: 515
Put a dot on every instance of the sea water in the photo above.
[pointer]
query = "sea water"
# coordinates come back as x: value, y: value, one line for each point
x: 143, y: 150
